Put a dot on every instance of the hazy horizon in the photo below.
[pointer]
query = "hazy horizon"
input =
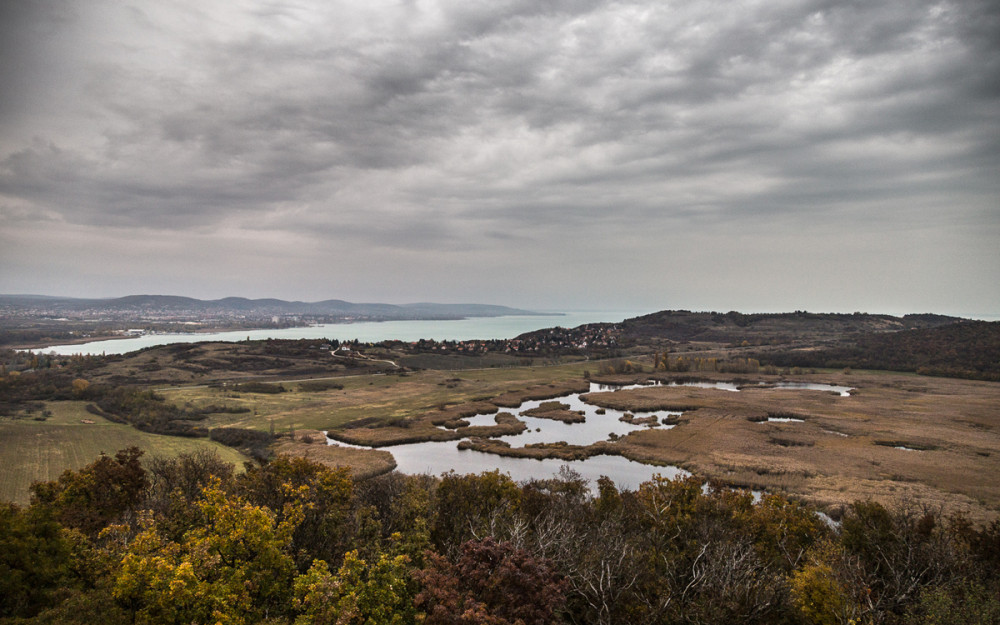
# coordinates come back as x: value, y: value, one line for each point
x: 977, y: 315
x: 574, y: 155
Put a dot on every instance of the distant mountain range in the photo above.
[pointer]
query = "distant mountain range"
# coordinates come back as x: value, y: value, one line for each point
x: 165, y: 304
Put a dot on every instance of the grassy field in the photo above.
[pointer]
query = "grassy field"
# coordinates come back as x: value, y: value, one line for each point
x: 42, y: 450
x: 379, y: 396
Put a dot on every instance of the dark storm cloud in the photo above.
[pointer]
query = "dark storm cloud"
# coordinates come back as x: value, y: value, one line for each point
x: 418, y: 125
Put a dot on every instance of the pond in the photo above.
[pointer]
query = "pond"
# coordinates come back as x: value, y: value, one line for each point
x: 596, y: 427
x: 843, y: 391
x: 439, y: 457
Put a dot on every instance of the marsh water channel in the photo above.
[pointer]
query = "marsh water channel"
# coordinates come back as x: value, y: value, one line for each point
x: 600, y: 424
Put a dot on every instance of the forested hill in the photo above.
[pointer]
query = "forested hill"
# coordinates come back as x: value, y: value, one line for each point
x: 670, y: 328
x: 960, y: 350
x: 925, y: 343
x: 765, y: 328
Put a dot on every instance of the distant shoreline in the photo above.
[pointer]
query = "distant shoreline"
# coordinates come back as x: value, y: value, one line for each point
x: 470, y: 328
x: 36, y: 345
x: 43, y: 345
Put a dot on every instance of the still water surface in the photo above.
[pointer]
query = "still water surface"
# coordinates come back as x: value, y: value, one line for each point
x: 439, y: 457
x: 366, y: 331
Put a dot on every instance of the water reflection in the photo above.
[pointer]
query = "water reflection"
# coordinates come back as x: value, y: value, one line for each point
x: 599, y: 425
x: 843, y: 391
x: 437, y: 458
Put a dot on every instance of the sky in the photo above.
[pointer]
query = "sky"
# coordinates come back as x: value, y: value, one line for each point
x: 639, y: 154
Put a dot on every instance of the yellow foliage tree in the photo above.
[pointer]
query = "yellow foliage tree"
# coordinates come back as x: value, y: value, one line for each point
x: 361, y: 593
x: 818, y: 595
x: 80, y: 386
x: 233, y: 568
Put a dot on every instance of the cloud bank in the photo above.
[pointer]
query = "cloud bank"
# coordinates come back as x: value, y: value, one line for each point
x: 762, y: 155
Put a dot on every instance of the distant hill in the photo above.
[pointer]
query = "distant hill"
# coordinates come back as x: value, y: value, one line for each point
x: 137, y: 304
x: 669, y: 328
x: 768, y: 328
x: 925, y: 343
x: 962, y: 350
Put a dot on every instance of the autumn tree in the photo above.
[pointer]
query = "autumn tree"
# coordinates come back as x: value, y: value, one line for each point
x: 491, y: 583
x: 35, y: 560
x: 467, y: 504
x: 889, y: 557
x: 96, y: 495
x: 323, y: 495
x: 401, y: 504
x: 80, y: 387
x: 709, y: 557
x: 375, y: 592
x: 818, y: 589
x: 176, y: 483
x: 233, y: 568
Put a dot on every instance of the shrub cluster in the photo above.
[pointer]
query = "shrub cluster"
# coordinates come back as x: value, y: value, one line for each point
x: 959, y: 350
x: 260, y: 387
x: 146, y: 411
x: 316, y: 386
x: 187, y: 540
x: 253, y: 443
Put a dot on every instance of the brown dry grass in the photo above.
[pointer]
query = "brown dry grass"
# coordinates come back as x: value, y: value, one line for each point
x: 539, y: 451
x: 513, y: 399
x: 414, y: 428
x: 955, y: 422
x: 506, y: 425
x: 363, y: 463
x: 429, y: 428
x: 557, y: 411
x: 383, y: 397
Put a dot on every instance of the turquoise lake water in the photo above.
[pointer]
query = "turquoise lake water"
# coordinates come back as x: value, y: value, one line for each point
x: 367, y: 331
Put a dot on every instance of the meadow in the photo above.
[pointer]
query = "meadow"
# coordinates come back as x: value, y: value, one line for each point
x: 379, y: 397
x: 72, y: 438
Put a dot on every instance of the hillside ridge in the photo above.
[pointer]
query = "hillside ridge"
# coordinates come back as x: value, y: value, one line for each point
x: 242, y: 305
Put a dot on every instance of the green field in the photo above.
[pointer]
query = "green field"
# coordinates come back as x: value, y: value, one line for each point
x: 379, y: 396
x: 42, y: 450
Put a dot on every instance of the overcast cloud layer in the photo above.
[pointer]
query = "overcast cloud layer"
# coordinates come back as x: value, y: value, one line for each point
x: 772, y: 155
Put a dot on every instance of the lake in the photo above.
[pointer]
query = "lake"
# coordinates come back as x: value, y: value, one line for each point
x: 365, y: 331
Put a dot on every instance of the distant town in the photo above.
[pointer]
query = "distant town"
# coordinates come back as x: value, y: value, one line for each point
x: 36, y: 320
x: 590, y: 338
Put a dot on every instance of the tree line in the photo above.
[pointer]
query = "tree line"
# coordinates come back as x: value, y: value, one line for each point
x: 961, y: 350
x: 191, y: 540
x: 144, y: 409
